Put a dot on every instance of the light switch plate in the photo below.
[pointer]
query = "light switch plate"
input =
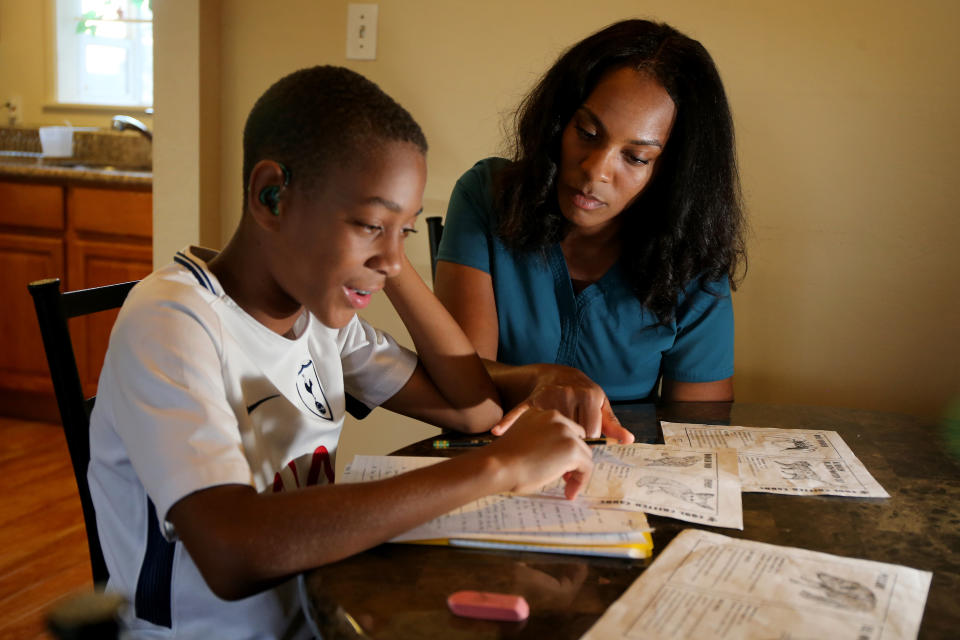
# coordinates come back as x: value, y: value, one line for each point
x: 362, y: 31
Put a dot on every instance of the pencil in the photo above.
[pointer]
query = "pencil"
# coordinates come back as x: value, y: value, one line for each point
x: 479, y: 442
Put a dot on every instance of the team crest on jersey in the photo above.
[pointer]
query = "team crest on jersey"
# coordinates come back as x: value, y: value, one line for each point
x: 311, y: 392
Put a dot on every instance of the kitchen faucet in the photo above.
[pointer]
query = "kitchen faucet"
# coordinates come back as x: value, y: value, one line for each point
x: 122, y: 123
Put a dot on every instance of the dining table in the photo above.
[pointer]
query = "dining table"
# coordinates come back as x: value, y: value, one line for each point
x: 399, y: 591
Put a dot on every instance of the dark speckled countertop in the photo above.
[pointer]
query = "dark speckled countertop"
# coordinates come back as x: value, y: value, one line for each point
x: 99, y: 157
x: 34, y: 167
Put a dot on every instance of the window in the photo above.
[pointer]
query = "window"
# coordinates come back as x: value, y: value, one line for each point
x: 105, y: 52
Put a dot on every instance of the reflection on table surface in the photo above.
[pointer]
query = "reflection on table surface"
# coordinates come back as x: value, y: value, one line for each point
x: 399, y: 591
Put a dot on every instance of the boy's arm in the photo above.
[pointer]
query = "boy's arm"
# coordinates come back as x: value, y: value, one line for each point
x: 450, y: 386
x: 244, y: 542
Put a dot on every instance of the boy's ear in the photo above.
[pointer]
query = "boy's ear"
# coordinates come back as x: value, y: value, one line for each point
x: 268, y: 179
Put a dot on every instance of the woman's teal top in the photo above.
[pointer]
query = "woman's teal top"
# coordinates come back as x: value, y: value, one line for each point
x: 604, y: 330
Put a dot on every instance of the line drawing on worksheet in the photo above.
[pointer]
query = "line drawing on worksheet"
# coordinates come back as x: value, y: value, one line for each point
x: 700, y: 485
x: 708, y: 586
x: 788, y: 461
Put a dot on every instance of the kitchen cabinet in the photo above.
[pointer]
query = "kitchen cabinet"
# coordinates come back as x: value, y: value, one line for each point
x: 87, y: 235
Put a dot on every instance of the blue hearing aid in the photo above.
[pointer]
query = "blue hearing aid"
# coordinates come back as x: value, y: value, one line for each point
x: 270, y: 196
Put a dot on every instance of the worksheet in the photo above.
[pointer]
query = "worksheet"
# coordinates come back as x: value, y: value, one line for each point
x: 547, y: 519
x: 789, y: 461
x: 694, y: 485
x: 707, y: 586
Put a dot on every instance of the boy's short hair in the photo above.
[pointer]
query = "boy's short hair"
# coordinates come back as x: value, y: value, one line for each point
x: 320, y: 117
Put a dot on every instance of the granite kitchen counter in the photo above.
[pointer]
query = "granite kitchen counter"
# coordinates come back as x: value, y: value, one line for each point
x: 22, y: 165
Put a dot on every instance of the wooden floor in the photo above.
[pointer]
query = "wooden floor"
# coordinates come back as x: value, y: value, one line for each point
x: 43, y: 547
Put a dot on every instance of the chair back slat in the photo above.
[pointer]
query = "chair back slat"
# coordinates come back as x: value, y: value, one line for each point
x: 434, y: 233
x: 53, y: 309
x: 86, y: 301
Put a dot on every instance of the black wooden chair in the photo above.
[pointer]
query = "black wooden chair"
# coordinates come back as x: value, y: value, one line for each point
x: 54, y: 308
x: 434, y: 232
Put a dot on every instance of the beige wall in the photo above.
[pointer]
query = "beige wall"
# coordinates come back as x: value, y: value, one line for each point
x: 847, y: 135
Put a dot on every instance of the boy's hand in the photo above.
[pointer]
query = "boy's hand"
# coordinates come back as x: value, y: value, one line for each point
x: 541, y: 447
x: 574, y: 395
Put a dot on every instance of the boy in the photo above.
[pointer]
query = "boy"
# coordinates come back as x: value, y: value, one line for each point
x: 223, y: 392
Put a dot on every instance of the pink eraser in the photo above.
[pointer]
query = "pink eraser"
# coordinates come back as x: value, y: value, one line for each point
x: 488, y: 606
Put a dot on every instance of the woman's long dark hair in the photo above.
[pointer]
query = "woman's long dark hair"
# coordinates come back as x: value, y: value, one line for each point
x: 688, y: 222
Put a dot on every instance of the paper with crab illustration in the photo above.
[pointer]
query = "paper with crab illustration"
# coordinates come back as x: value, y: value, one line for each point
x: 708, y: 586
x: 789, y: 461
x: 695, y: 485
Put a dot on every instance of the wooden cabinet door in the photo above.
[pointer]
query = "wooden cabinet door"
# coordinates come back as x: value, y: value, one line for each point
x: 108, y: 241
x: 87, y: 236
x: 94, y: 263
x: 37, y: 206
x: 110, y: 211
x: 24, y: 258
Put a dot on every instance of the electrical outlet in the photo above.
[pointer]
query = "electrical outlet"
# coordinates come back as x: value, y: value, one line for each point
x: 362, y: 31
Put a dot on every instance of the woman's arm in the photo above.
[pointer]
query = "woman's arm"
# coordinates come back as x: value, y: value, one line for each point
x: 244, y: 542
x: 703, y: 347
x: 468, y: 295
x: 450, y: 386
x: 717, y: 391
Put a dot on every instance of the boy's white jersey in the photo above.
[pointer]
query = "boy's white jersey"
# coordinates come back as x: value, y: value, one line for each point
x: 195, y: 393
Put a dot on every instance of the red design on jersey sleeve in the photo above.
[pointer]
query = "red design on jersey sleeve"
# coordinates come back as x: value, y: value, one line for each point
x: 288, y: 478
x: 293, y: 469
x: 321, y: 460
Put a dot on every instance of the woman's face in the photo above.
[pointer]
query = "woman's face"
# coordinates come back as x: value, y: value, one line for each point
x: 610, y: 147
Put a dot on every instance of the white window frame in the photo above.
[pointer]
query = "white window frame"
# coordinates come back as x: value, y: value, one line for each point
x: 70, y: 62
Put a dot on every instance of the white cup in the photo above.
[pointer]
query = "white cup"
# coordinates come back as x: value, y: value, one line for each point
x: 56, y: 141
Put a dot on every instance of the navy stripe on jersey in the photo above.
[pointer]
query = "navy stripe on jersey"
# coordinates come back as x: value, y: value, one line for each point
x: 260, y: 402
x: 152, y: 600
x: 186, y: 261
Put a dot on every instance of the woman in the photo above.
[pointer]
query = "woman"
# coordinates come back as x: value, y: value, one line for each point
x: 610, y: 240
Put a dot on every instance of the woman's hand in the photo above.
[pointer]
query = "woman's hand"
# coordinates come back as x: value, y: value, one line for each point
x: 563, y: 389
